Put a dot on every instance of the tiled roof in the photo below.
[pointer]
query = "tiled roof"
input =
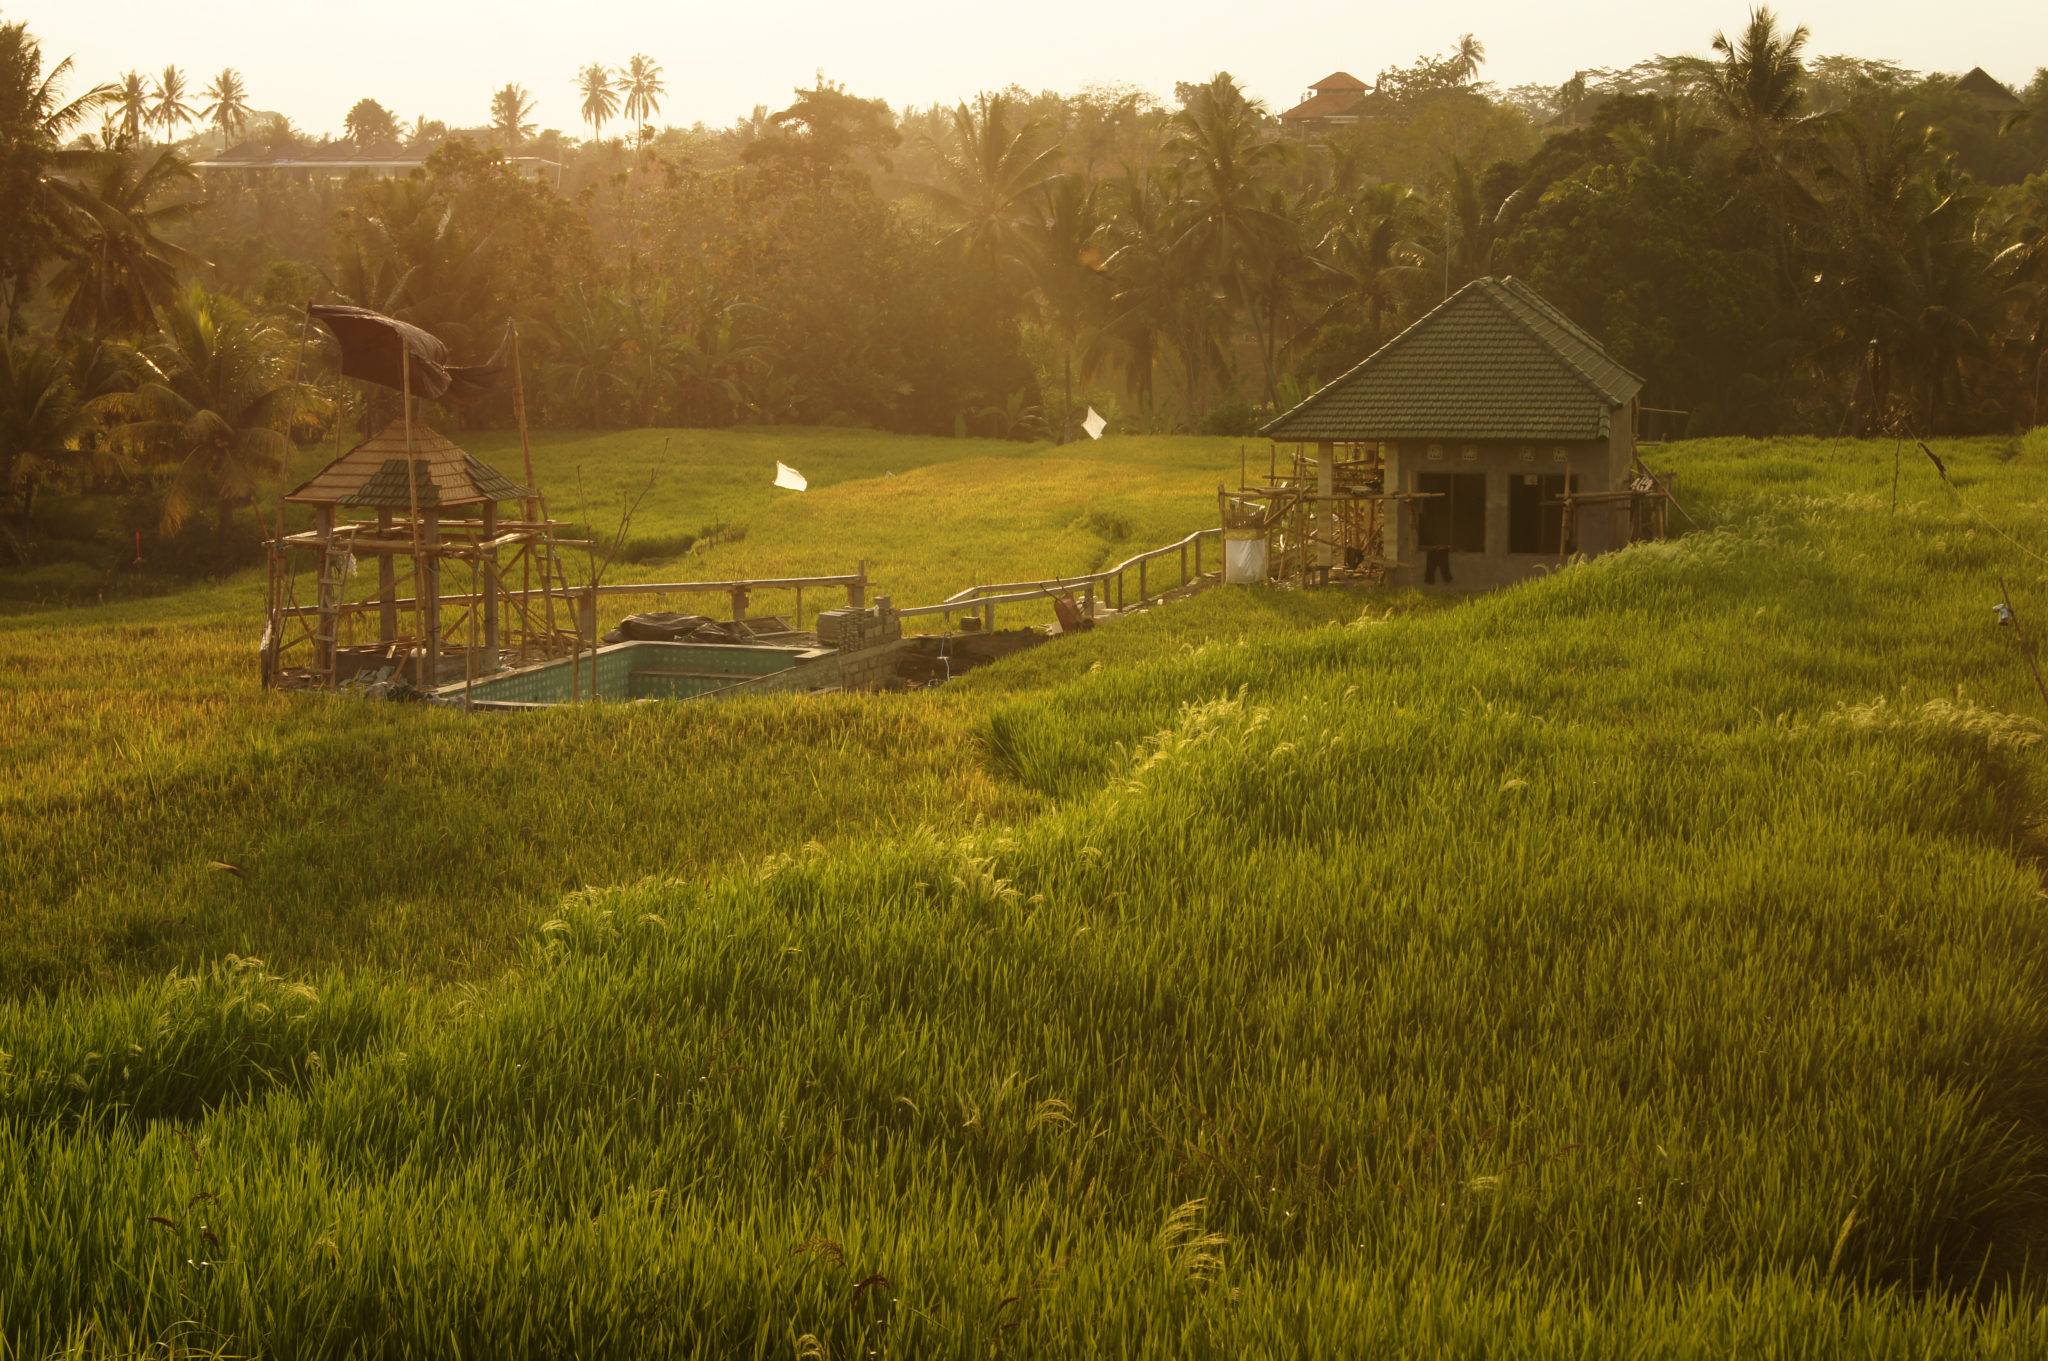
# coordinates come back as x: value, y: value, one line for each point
x: 1339, y: 80
x: 373, y: 474
x: 1324, y: 104
x: 1493, y: 361
x: 1989, y: 91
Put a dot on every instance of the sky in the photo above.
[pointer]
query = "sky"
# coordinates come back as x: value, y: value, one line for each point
x: 442, y: 58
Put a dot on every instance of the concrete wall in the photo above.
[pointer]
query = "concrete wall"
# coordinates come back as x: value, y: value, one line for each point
x: 1599, y: 465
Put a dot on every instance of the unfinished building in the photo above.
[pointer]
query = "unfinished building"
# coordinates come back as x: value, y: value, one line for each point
x: 1487, y: 442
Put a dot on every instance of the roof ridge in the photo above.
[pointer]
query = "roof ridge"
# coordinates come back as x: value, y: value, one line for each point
x: 1551, y: 312
x: 1549, y: 346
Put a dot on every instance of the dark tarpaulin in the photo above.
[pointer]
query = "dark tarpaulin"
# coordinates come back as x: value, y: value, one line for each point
x: 374, y: 348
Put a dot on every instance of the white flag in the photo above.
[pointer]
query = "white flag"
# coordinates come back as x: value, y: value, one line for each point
x: 1094, y: 425
x: 786, y: 476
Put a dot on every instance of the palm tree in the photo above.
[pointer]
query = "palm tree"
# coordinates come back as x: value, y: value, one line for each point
x: 1066, y: 267
x: 122, y: 268
x: 216, y: 412
x: 989, y: 180
x: 35, y: 123
x: 644, y: 89
x: 425, y: 130
x: 131, y: 106
x: 41, y: 420
x: 1371, y: 259
x: 1219, y: 140
x: 167, y: 108
x: 1466, y: 61
x: 1756, y: 91
x: 600, y: 97
x: 229, y: 109
x: 509, y: 110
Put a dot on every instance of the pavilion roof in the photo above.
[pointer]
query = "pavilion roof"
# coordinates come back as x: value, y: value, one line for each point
x: 373, y: 474
x: 1495, y: 360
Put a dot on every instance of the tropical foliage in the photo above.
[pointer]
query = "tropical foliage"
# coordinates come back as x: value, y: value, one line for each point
x: 1778, y: 241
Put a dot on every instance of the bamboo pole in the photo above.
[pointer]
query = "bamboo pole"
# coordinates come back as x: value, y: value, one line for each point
x: 412, y: 496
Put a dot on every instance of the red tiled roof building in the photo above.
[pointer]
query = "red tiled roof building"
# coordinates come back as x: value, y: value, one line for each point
x: 1332, y: 102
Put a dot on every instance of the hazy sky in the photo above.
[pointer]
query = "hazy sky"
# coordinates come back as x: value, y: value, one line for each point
x: 442, y: 58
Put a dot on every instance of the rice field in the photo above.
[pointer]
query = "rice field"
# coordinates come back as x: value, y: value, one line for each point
x: 1647, y: 960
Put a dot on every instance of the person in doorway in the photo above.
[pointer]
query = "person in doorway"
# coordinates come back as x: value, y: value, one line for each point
x: 1436, y: 560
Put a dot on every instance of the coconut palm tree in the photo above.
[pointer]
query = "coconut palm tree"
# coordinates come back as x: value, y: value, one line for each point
x: 989, y: 179
x: 1066, y: 269
x: 122, y: 268
x: 644, y: 88
x: 131, y: 106
x: 1370, y: 258
x: 1757, y: 93
x: 600, y: 97
x: 167, y: 107
x: 229, y: 110
x: 1469, y: 57
x: 510, y: 108
x: 36, y: 121
x: 216, y: 412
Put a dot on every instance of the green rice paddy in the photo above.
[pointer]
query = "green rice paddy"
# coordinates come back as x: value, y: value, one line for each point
x: 1649, y: 960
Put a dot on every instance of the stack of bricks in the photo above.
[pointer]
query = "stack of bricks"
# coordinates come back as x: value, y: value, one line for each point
x: 868, y: 641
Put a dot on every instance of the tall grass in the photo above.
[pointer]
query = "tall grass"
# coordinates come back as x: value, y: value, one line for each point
x: 138, y: 749
x: 1645, y: 961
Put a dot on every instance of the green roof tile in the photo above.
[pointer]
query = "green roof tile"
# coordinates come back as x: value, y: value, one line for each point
x: 1493, y: 361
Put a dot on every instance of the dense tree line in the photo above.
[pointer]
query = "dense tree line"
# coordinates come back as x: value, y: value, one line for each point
x: 1778, y: 242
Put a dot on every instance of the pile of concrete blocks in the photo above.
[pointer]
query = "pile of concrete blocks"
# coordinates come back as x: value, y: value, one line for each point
x: 868, y: 639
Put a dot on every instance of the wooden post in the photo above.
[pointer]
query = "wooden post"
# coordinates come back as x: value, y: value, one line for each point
x: 857, y: 594
x: 429, y: 592
x: 586, y: 626
x: 1142, y: 564
x: 1088, y: 603
x: 329, y: 593
x: 387, y: 585
x: 1326, y: 526
x: 1184, y: 564
x: 739, y: 604
x: 489, y: 568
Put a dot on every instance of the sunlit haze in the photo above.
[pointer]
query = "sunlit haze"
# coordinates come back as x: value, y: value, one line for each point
x: 442, y: 61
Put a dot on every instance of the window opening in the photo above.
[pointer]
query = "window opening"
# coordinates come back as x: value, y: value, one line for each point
x: 1536, y: 513
x: 1455, y: 515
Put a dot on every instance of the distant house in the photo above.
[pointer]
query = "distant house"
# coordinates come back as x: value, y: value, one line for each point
x: 1989, y: 92
x: 1333, y: 102
x: 1489, y: 419
x: 343, y: 158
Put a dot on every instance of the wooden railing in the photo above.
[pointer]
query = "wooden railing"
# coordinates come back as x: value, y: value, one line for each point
x: 1110, y: 583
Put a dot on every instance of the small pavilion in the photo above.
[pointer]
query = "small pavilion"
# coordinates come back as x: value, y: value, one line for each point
x: 423, y: 509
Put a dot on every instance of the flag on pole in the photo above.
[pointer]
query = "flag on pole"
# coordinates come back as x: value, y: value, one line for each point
x: 1094, y: 425
x: 786, y: 476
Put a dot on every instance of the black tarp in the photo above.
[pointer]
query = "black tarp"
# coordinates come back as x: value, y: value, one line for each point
x: 374, y: 348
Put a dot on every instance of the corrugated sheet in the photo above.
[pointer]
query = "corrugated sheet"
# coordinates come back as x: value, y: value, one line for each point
x: 1493, y: 361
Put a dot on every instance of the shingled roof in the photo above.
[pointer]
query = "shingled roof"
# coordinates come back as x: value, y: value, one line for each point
x: 1493, y: 361
x: 373, y: 474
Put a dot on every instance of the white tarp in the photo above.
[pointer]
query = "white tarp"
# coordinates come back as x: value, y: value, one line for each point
x: 1244, y: 561
x: 786, y: 476
x: 1094, y: 425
